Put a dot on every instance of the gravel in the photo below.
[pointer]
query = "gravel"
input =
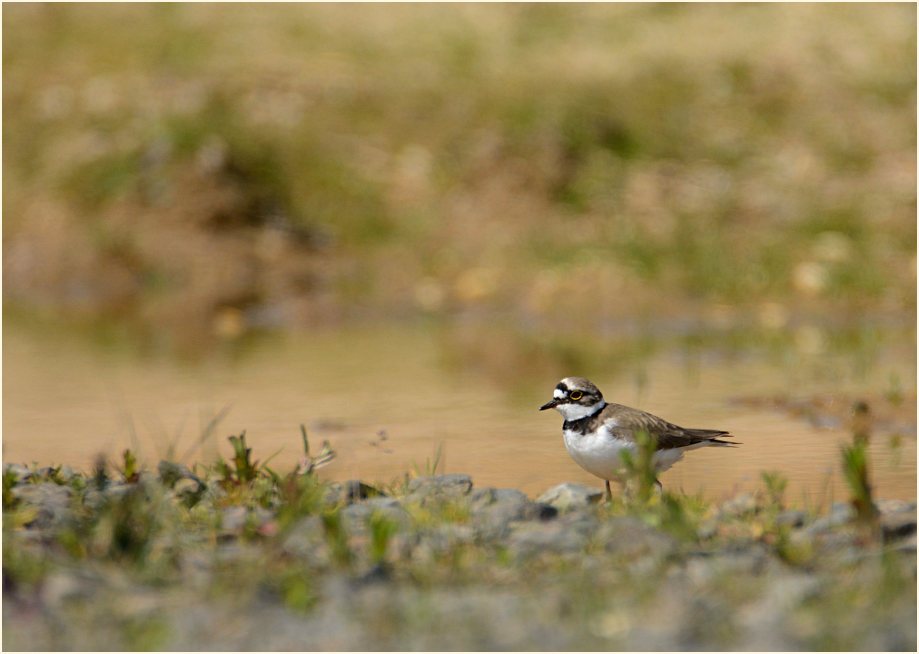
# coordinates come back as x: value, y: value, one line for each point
x: 442, y: 565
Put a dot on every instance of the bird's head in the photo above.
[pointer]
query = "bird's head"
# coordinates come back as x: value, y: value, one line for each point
x: 575, y: 398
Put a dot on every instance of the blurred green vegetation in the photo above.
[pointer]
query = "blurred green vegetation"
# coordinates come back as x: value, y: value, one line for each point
x: 197, y: 171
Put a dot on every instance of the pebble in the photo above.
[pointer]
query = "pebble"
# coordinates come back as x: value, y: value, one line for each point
x: 741, y: 505
x: 22, y: 473
x: 476, y: 593
x: 569, y: 533
x: 898, y: 525
x: 791, y: 519
x: 894, y: 506
x: 51, y: 500
x: 119, y: 491
x: 484, y: 497
x: 187, y: 486
x: 494, y: 511
x: 349, y: 492
x: 840, y: 514
x: 566, y: 497
x: 306, y: 539
x: 763, y: 618
x: 357, y: 515
x: 233, y: 518
x: 170, y: 473
x: 455, y: 485
x: 66, y: 474
x: 64, y: 585
x: 630, y: 538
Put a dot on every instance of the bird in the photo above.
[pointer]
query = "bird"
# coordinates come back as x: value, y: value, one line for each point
x: 597, y: 432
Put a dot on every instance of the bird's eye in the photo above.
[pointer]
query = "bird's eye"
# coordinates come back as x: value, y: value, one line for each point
x: 575, y: 395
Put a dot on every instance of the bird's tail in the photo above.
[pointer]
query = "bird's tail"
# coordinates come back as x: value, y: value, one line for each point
x: 712, y: 436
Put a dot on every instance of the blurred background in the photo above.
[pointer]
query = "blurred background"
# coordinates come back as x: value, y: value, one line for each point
x: 400, y: 225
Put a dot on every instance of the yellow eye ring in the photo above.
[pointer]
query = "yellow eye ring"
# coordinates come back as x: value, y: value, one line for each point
x: 575, y: 395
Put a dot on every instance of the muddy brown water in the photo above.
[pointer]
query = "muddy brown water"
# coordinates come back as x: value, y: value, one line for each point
x: 382, y: 399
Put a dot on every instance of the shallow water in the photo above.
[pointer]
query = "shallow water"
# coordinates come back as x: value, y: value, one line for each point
x: 383, y: 399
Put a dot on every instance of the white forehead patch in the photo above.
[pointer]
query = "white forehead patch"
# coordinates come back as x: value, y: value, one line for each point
x: 559, y: 394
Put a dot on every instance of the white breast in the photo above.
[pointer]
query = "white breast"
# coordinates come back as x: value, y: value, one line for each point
x: 599, y: 453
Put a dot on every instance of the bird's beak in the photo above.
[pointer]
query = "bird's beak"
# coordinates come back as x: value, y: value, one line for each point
x: 549, y: 405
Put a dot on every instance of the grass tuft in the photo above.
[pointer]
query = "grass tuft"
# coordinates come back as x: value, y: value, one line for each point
x: 776, y: 483
x: 640, y: 466
x: 431, y: 467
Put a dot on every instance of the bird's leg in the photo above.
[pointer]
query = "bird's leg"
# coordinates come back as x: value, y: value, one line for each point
x: 609, y: 493
x: 660, y: 486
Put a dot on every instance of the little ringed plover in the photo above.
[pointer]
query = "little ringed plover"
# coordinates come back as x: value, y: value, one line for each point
x: 597, y: 432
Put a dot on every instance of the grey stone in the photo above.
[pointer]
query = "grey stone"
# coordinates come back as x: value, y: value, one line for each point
x: 708, y: 528
x: 508, y: 505
x: 906, y: 545
x: 742, y: 558
x: 840, y: 514
x: 51, y: 500
x: 214, y: 493
x: 47, y: 493
x: 570, y: 533
x: 66, y: 474
x: 901, y: 524
x: 261, y: 515
x: 631, y: 538
x: 118, y: 491
x: 493, y: 520
x: 842, y: 511
x: 539, y: 511
x: 509, y: 495
x: 187, y: 486
x: 455, y: 485
x: 786, y: 592
x: 307, y: 540
x: 233, y: 518
x: 307, y: 528
x: 894, y: 506
x: 21, y: 471
x: 791, y: 519
x: 357, y: 515
x: 494, y: 510
x: 94, y: 499
x: 743, y: 504
x: 350, y: 491
x: 444, y: 538
x: 170, y: 473
x: 569, y: 496
x: 481, y: 498
x: 63, y: 585
x: 764, y: 619
x: 493, y: 498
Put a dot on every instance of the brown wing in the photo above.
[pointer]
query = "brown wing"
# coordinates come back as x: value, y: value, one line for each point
x: 629, y: 421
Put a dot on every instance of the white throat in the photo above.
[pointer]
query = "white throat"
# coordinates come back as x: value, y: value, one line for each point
x: 578, y: 411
